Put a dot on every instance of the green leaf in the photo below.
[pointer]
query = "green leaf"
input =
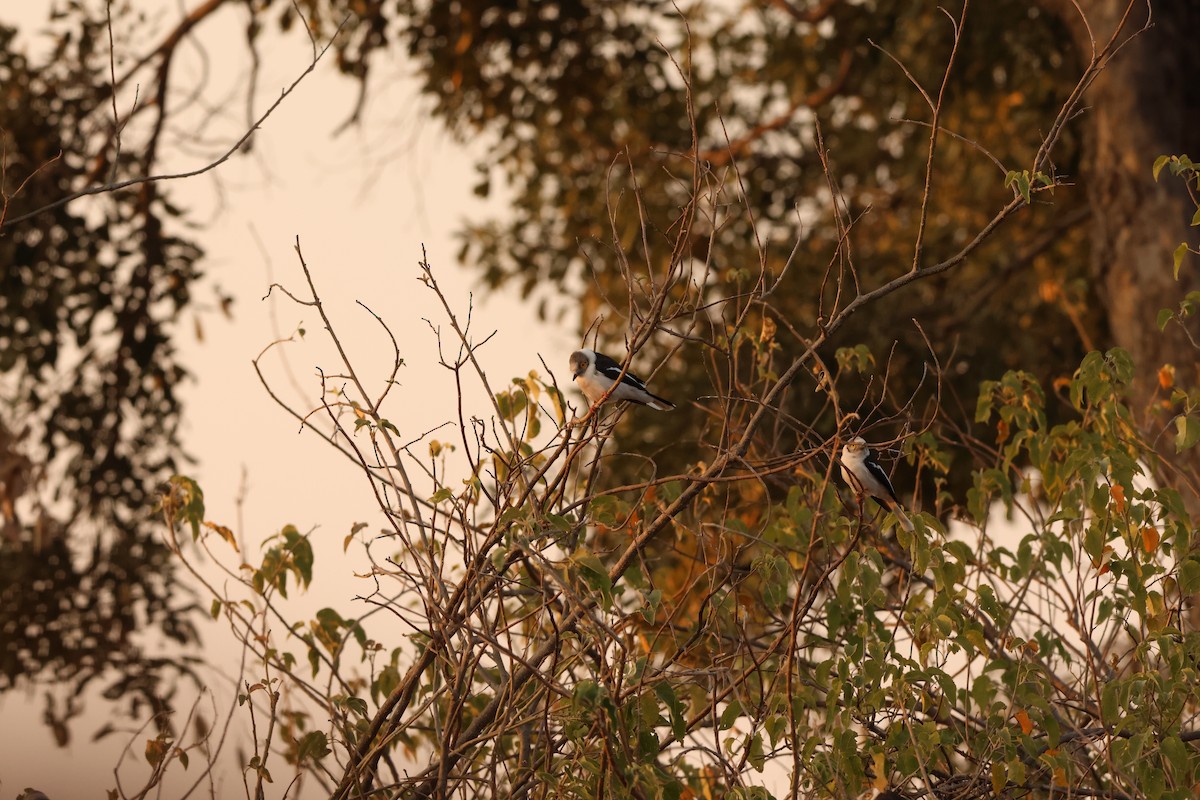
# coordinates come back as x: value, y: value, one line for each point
x: 357, y: 705
x: 1196, y: 217
x: 730, y: 715
x: 1164, y: 317
x: 606, y: 511
x: 983, y: 409
x: 1022, y: 182
x: 670, y: 490
x: 329, y: 627
x: 188, y: 500
x: 667, y: 694
x: 648, y: 713
x: 301, y: 553
x: 313, y: 746
x: 1187, y: 432
x: 587, y: 692
x: 650, y: 609
x: 1110, y: 702
x: 858, y: 358
x: 1179, y: 254
x: 648, y: 744
x: 1175, y: 753
x: 757, y: 758
x: 592, y: 570
x: 1189, y: 576
x: 314, y: 660
x: 560, y: 523
x: 388, y: 680
x: 216, y: 609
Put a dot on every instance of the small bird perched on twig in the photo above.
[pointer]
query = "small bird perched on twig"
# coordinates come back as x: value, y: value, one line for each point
x: 866, y: 477
x: 596, y: 373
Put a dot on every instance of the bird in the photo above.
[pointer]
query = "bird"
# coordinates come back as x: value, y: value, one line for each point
x: 596, y: 373
x: 865, y: 475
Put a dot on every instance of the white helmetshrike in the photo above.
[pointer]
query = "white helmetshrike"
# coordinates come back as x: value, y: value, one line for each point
x: 866, y: 477
x: 596, y: 373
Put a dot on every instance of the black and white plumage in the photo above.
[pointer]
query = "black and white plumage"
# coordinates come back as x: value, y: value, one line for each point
x: 596, y: 373
x: 865, y: 475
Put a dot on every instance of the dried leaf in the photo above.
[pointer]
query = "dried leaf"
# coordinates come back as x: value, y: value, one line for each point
x: 1117, y: 493
x: 1149, y: 539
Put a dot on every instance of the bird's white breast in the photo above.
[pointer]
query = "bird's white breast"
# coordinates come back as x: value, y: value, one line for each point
x: 592, y: 389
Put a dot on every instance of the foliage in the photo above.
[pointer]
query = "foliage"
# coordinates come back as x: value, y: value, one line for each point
x: 701, y: 611
x: 741, y: 627
x: 88, y: 423
x: 582, y: 620
x: 1040, y: 642
x: 586, y: 100
x: 582, y: 101
x: 1184, y: 402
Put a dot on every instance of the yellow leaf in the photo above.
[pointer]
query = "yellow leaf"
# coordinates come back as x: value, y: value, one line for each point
x: 223, y: 532
x: 1025, y: 722
x: 768, y: 330
x: 999, y: 777
x: 880, y: 766
x: 155, y: 750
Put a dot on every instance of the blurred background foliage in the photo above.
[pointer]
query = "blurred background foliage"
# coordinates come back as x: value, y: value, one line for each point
x: 89, y: 419
x: 584, y: 101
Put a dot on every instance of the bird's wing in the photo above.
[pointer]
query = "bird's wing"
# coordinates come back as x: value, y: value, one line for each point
x: 877, y: 472
x: 612, y: 370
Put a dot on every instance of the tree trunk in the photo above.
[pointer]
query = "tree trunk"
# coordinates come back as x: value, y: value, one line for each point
x: 1145, y: 104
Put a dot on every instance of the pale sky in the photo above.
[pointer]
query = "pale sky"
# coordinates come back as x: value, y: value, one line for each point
x: 363, y: 203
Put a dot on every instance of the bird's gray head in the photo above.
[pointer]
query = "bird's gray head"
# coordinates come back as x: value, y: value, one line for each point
x: 580, y: 361
x: 855, y: 446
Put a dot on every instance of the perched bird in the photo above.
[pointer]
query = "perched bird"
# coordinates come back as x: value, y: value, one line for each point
x: 866, y: 477
x: 596, y: 373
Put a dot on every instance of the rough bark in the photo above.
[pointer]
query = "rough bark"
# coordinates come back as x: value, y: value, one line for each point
x: 1145, y: 104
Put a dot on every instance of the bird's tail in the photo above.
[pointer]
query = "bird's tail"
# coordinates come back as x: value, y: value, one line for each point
x: 903, y: 519
x: 659, y: 403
